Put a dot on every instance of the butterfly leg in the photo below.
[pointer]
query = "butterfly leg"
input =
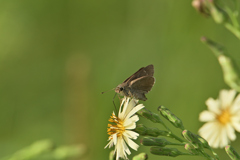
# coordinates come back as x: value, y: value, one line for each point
x: 114, y: 103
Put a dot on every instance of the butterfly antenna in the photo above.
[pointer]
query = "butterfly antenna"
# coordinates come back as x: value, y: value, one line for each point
x: 114, y: 103
x: 107, y: 91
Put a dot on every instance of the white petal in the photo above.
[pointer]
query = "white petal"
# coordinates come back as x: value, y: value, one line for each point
x: 210, y: 131
x: 213, y: 105
x: 114, y: 136
x: 117, y: 150
x: 236, y: 123
x: 206, y: 116
x: 130, y: 126
x: 131, y: 122
x: 131, y: 134
x: 120, y: 149
x: 236, y: 104
x: 110, y: 144
x: 206, y: 127
x: 226, y: 98
x: 122, y: 111
x: 131, y: 105
x: 230, y: 132
x: 134, y: 110
x: 134, y: 118
x: 125, y: 148
x: 235, y: 118
x: 223, y: 137
x: 132, y: 144
x: 206, y: 130
x: 217, y: 136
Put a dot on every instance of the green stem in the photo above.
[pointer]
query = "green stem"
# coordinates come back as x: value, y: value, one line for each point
x: 214, y: 153
x: 232, y: 29
x: 205, y: 154
x: 176, y: 137
x: 166, y: 127
x: 232, y: 16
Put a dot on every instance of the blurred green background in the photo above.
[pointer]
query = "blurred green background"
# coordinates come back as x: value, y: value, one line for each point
x: 56, y: 57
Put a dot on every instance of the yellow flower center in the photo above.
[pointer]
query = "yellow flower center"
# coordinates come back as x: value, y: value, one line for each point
x: 224, y: 117
x: 117, y: 128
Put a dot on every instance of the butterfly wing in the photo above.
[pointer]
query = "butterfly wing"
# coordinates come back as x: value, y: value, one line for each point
x: 143, y: 84
x: 144, y: 71
x: 140, y: 86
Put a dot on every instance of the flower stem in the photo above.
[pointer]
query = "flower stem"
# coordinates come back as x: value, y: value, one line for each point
x: 175, y: 137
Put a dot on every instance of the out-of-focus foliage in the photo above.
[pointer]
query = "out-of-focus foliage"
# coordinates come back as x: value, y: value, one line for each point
x: 56, y: 57
x: 45, y: 150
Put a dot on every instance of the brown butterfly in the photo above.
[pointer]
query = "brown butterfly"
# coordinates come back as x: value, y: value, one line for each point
x: 138, y: 84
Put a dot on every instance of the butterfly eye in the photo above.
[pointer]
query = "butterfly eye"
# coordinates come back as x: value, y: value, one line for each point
x: 121, y: 89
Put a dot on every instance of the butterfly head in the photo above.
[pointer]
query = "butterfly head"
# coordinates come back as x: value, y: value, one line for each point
x: 119, y: 89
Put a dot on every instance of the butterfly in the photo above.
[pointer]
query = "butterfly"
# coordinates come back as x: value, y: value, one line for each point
x: 138, y: 84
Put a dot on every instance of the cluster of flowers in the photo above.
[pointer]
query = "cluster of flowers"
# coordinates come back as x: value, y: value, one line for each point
x: 222, y: 119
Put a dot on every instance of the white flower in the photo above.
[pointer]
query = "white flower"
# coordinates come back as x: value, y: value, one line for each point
x: 120, y: 133
x: 222, y: 117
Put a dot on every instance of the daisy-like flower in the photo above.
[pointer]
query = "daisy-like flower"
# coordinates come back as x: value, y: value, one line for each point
x: 222, y: 117
x: 121, y: 132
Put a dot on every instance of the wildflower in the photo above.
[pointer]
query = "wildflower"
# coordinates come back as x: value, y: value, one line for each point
x: 222, y: 117
x: 121, y: 133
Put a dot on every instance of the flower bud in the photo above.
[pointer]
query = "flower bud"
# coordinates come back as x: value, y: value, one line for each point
x: 216, y: 48
x: 172, y: 152
x: 230, y: 71
x: 141, y: 156
x: 208, y: 7
x: 192, y: 138
x: 201, y: 7
x: 154, y: 132
x: 111, y: 155
x: 166, y: 113
x: 150, y: 115
x: 203, y: 142
x: 191, y: 149
x: 232, y: 153
x: 152, y: 141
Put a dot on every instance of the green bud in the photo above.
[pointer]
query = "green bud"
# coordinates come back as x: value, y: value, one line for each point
x: 150, y: 115
x: 166, y: 113
x: 216, y: 48
x: 192, y: 138
x: 201, y: 7
x: 230, y: 71
x: 203, y: 142
x: 172, y: 152
x: 154, y: 132
x: 111, y: 155
x: 217, y: 13
x: 191, y: 149
x: 232, y: 153
x: 152, y: 141
x: 141, y: 156
x: 208, y: 7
